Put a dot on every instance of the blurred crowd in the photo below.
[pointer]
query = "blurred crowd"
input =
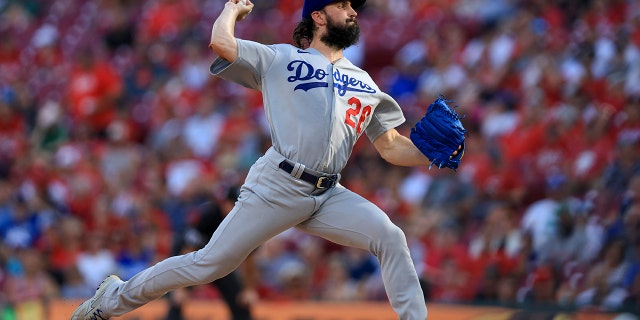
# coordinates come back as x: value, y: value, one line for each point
x: 113, y: 132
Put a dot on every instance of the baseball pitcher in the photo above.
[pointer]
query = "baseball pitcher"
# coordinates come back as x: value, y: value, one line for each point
x: 318, y: 104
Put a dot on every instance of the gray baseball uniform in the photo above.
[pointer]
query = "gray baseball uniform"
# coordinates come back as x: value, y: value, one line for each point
x: 317, y: 110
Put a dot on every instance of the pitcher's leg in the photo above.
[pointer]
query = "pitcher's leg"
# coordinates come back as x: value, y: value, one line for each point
x: 348, y: 219
x: 248, y: 225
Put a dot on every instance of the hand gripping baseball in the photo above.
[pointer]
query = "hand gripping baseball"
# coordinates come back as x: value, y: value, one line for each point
x: 439, y: 135
x: 245, y: 7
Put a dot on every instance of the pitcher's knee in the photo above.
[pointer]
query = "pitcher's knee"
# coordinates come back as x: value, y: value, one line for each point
x: 391, y: 239
x: 395, y: 235
x: 210, y: 267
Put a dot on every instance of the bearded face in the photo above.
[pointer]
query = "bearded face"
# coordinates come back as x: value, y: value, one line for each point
x: 341, y: 35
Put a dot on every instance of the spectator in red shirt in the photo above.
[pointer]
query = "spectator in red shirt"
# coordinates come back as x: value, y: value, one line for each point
x: 93, y: 92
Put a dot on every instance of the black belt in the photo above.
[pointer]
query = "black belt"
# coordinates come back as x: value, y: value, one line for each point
x: 320, y: 182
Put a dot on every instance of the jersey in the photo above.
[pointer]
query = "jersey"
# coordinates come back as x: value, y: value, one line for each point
x: 316, y: 109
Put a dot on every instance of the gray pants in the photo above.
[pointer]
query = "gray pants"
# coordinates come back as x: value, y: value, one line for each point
x: 271, y: 201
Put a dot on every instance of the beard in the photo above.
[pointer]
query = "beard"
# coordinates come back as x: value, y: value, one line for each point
x: 341, y: 36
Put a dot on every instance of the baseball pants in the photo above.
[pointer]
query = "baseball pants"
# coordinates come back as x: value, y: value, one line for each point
x: 272, y: 201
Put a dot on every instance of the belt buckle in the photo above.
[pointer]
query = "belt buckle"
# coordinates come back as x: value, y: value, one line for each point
x: 319, y: 183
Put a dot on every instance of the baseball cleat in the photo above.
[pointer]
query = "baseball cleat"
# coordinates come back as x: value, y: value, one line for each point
x: 92, y: 308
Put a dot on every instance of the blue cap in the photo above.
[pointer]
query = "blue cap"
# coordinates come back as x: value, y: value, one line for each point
x: 315, y: 5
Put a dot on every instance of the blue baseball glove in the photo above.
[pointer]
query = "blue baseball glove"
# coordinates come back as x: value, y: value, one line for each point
x: 439, y: 135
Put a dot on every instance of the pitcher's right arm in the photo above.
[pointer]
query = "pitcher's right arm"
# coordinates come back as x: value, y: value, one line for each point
x: 223, y: 40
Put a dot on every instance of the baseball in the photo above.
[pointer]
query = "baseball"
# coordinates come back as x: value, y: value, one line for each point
x: 242, y: 2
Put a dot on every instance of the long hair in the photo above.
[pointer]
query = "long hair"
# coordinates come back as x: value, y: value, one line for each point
x: 303, y: 33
